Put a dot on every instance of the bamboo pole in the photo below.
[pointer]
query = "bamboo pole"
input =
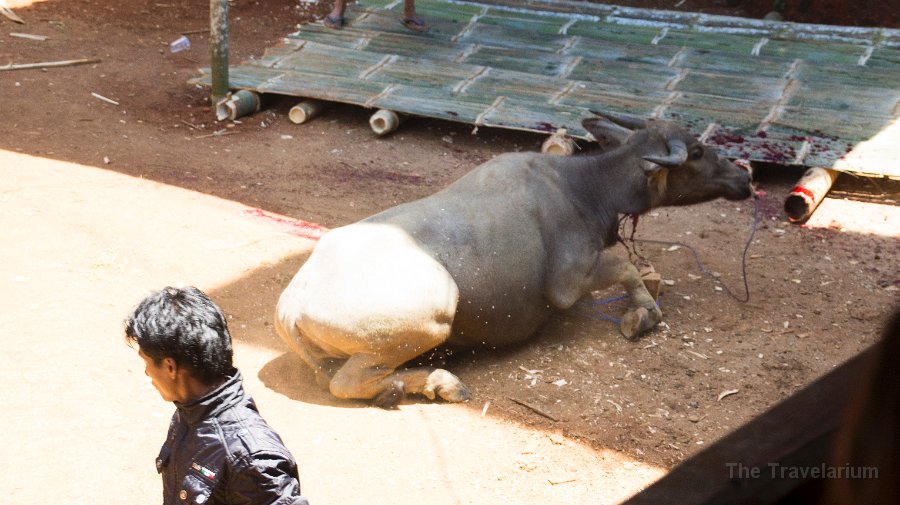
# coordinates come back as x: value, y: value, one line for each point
x: 558, y: 143
x: 809, y: 193
x: 49, y: 64
x: 306, y: 110
x: 218, y: 42
x: 384, y: 121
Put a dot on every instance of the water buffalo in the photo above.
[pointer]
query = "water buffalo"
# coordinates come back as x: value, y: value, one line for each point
x: 486, y: 260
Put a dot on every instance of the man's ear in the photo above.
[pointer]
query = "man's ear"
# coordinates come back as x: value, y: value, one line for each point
x: 170, y: 367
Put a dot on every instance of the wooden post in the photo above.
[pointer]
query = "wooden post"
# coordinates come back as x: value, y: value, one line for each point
x: 218, y: 42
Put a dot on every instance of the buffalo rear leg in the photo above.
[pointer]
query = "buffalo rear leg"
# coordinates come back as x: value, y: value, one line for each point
x: 365, y: 376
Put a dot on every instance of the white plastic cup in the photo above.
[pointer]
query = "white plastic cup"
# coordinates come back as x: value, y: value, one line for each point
x: 180, y: 44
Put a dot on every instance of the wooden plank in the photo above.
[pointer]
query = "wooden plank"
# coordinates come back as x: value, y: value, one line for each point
x: 653, y: 55
x: 768, y: 89
x: 711, y: 41
x: 411, y: 100
x: 505, y: 37
x: 441, y: 28
x: 347, y: 37
x: 612, y: 32
x: 548, y: 64
x: 885, y: 57
x: 815, y: 92
x: 732, y: 64
x: 847, y: 125
x: 592, y: 96
x: 878, y: 154
x: 440, y: 77
x: 524, y: 22
x: 501, y: 82
x: 525, y: 115
x: 724, y: 474
x: 698, y: 111
x: 848, y: 76
x: 814, y: 52
x: 405, y: 45
x: 624, y: 74
x: 316, y: 59
x: 292, y: 83
x: 842, y: 99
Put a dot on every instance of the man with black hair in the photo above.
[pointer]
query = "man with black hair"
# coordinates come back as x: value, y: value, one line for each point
x: 219, y: 449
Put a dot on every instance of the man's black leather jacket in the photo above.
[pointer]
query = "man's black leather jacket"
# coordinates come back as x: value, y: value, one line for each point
x: 220, y: 451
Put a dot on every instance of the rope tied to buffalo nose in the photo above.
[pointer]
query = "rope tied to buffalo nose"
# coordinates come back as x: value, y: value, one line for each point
x: 631, y: 247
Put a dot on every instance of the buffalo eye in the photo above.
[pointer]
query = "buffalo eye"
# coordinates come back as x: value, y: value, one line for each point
x: 696, y: 153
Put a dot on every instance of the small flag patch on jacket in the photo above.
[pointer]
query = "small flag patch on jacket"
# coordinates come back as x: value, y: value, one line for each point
x: 206, y: 472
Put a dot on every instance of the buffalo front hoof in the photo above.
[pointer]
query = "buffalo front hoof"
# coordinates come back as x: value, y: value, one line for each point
x: 391, y: 396
x: 446, y: 385
x: 638, y: 321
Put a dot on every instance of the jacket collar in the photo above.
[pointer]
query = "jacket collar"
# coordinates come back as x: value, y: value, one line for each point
x: 228, y: 394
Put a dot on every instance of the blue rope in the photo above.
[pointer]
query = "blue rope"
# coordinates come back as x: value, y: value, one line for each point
x: 756, y: 213
x: 703, y: 270
x: 603, y: 315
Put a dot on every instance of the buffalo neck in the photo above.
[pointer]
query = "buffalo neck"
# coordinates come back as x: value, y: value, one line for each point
x: 609, y: 183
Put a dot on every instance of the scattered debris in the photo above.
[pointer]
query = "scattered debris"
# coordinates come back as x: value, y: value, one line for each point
x: 180, y: 44
x: 195, y: 32
x: 616, y: 405
x: 703, y: 356
x: 6, y: 11
x: 107, y: 100
x: 484, y: 410
x: 39, y: 38
x: 556, y: 483
x: 48, y: 64
x: 560, y: 382
x: 535, y: 410
x: 217, y: 133
x: 728, y: 392
x: 532, y: 375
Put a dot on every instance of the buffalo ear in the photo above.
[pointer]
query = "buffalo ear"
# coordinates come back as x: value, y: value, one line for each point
x: 623, y: 120
x: 608, y: 134
x: 650, y: 168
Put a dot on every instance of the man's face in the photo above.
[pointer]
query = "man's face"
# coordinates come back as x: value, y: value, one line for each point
x: 162, y: 375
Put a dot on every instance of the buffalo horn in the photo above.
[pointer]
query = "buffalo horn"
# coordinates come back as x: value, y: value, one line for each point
x: 677, y: 154
x: 630, y: 122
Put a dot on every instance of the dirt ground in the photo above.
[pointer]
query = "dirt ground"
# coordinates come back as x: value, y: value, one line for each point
x: 102, y: 202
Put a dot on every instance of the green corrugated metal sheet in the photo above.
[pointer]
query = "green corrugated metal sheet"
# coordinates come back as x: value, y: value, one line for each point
x: 769, y: 91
